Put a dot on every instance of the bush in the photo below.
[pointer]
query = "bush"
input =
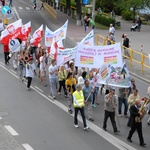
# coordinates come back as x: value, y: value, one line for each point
x: 104, y: 20
x: 127, y: 15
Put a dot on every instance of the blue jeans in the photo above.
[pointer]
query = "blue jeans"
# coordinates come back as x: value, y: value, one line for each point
x: 124, y: 101
x: 52, y: 85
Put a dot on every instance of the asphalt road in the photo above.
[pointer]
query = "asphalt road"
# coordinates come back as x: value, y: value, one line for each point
x: 45, y: 124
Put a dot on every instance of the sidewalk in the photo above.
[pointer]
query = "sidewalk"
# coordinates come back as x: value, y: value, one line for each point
x: 76, y: 34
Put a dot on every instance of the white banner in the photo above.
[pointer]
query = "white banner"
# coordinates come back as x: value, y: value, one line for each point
x: 112, y: 77
x: 59, y: 34
x: 89, y: 39
x: 66, y: 55
x: 96, y: 56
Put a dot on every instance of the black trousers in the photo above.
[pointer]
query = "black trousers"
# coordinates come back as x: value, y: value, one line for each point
x: 6, y: 57
x: 76, y: 109
x: 138, y: 127
x: 29, y: 82
x: 62, y: 84
x: 112, y: 119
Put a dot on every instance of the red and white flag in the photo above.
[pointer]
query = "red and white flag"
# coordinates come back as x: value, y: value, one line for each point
x: 53, y: 49
x: 26, y: 29
x: 12, y: 31
x: 37, y: 36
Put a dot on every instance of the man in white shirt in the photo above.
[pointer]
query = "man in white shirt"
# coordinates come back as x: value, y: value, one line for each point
x: 111, y: 29
x: 52, y: 77
x: 30, y: 71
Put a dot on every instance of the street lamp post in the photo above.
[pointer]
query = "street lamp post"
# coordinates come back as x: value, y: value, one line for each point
x: 93, y: 9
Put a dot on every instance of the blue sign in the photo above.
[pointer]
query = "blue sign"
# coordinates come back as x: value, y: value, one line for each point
x: 85, y: 2
x: 12, y: 42
x: 5, y: 10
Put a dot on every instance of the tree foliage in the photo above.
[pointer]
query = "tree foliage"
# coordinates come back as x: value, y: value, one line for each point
x: 122, y: 5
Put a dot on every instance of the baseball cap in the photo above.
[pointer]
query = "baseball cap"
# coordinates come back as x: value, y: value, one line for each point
x: 30, y: 58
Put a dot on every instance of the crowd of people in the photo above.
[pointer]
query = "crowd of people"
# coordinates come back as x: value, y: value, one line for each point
x: 80, y: 88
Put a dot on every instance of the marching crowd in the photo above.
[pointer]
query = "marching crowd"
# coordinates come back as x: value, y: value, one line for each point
x: 80, y: 88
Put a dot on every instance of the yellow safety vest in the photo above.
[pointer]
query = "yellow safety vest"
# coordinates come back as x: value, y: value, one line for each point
x: 79, y: 98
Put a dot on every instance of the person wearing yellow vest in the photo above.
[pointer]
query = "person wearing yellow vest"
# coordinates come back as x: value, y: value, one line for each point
x: 78, y: 102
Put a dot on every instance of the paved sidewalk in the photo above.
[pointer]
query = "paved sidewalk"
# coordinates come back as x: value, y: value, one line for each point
x: 7, y: 142
x: 76, y: 34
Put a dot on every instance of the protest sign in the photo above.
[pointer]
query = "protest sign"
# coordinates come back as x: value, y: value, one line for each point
x: 14, y: 45
x: 59, y: 34
x: 66, y: 55
x: 112, y: 77
x: 96, y: 56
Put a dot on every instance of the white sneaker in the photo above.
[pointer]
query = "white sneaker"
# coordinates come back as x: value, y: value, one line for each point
x: 58, y: 93
x: 76, y: 126
x: 54, y: 97
x: 85, y: 128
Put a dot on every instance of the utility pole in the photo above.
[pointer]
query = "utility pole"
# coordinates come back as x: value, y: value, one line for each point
x: 93, y: 9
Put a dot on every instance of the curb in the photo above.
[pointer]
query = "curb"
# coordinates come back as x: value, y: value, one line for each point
x: 141, y: 78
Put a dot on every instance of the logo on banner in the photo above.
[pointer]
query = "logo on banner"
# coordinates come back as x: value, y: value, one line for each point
x: 110, y: 59
x: 14, y: 45
x: 39, y: 33
x: 11, y: 29
x: 87, y: 60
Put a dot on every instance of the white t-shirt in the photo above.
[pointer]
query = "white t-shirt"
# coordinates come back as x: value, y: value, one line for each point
x: 42, y: 63
x: 112, y: 30
x: 51, y: 69
x: 30, y: 71
x: 96, y: 76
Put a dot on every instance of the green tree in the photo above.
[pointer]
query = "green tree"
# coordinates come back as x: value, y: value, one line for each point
x: 134, y: 4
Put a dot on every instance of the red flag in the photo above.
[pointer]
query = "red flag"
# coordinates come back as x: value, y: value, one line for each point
x: 12, y: 31
x: 37, y: 36
x: 26, y: 29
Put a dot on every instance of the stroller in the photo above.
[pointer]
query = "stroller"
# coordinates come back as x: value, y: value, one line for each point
x: 135, y: 27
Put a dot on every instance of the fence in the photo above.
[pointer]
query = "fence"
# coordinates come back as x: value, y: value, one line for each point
x: 132, y: 55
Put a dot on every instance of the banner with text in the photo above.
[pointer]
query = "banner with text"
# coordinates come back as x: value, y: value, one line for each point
x: 59, y: 34
x: 113, y: 77
x: 96, y: 56
x: 66, y: 55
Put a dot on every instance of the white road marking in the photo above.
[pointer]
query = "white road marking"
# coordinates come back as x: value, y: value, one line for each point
x: 8, y: 71
x: 18, y: 17
x: 27, y: 147
x: 108, y: 137
x: 27, y: 8
x: 1, y: 118
x: 20, y: 8
x: 38, y: 89
x: 13, y: 71
x: 11, y: 130
x: 3, y: 64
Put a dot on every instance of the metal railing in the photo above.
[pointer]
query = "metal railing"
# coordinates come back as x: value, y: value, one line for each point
x: 132, y: 55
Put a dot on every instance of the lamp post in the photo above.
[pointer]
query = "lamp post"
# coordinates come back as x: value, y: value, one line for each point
x: 93, y: 9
